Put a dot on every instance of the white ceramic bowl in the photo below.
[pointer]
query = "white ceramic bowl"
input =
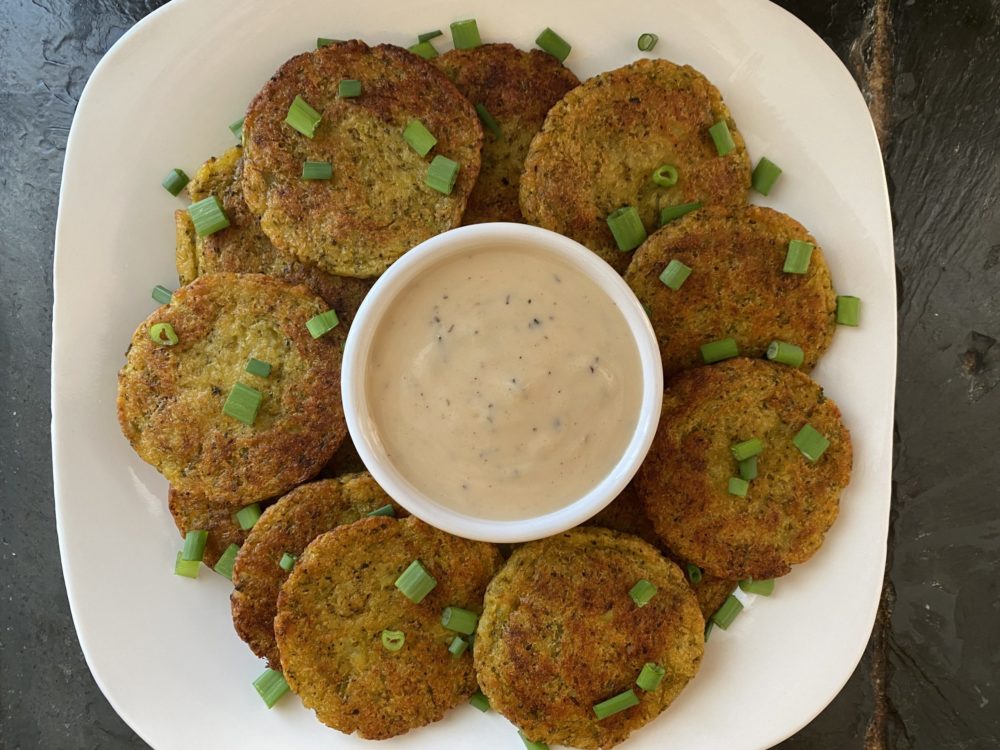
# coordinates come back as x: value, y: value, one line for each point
x: 364, y: 431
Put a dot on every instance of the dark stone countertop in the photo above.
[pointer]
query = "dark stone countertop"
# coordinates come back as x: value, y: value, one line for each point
x: 930, y: 70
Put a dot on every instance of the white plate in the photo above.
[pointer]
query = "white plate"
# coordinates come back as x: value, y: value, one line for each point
x: 161, y: 647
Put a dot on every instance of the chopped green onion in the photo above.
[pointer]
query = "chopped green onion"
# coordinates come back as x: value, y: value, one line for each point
x: 465, y: 34
x: 722, y: 138
x: 247, y: 516
x: 785, y: 353
x: 287, y: 561
x: 797, y: 258
x: 419, y: 137
x: 207, y: 216
x: 415, y: 582
x: 642, y: 592
x: 627, y: 228
x: 236, y: 128
x: 738, y: 486
x: 765, y: 174
x: 694, y: 573
x: 554, y: 44
x: 650, y: 677
x: 670, y: 213
x: 317, y: 170
x: 811, y: 442
x: 531, y: 744
x: 460, y: 620
x: 425, y: 50
x: 487, y: 119
x: 848, y: 310
x: 163, y: 334
x: 747, y: 448
x: 302, y: 117
x: 428, y: 35
x: 480, y: 701
x: 761, y: 588
x: 225, y: 564
x: 258, y: 367
x: 647, y: 41
x: 186, y: 568
x: 194, y: 546
x: 716, y: 351
x: 675, y: 274
x: 725, y: 614
x: 349, y: 88
x: 617, y: 704
x: 748, y: 468
x: 665, y: 175
x: 393, y: 640
x: 385, y: 510
x: 323, y: 323
x: 162, y: 295
x: 242, y: 403
x: 458, y: 646
x: 175, y: 181
x: 708, y: 629
x: 270, y: 686
x: 322, y: 42
x: 441, y: 174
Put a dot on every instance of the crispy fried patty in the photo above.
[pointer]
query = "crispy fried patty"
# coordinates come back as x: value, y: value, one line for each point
x: 792, y: 502
x: 737, y: 288
x: 287, y: 527
x: 559, y: 633
x: 170, y: 398
x: 377, y: 205
x: 341, y: 596
x: 244, y: 248
x: 196, y: 511
x: 517, y: 88
x: 601, y: 144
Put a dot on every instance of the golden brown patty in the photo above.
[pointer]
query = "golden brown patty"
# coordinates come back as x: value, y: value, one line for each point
x: 517, y: 88
x: 601, y: 144
x: 792, y: 502
x: 287, y: 527
x: 195, y: 511
x: 737, y: 288
x: 170, y: 398
x: 560, y: 633
x: 377, y: 205
x: 345, y: 461
x: 244, y: 248
x: 341, y: 596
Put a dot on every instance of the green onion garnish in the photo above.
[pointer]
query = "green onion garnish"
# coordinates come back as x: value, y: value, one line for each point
x: 647, y: 41
x: 258, y: 367
x: 465, y: 34
x: 722, y: 138
x: 615, y: 705
x: 848, y: 310
x: 738, y: 486
x: 694, y: 573
x: 761, y: 588
x: 627, y: 228
x: 419, y: 137
x: 531, y: 744
x: 323, y: 323
x: 665, y: 175
x: 675, y: 274
x: 765, y: 174
x: 811, y: 442
x: 322, y: 42
x: 716, y: 351
x: 349, y: 88
x: 785, y: 353
x: 393, y: 640
x: 175, y: 181
x: 642, y: 592
x: 385, y: 510
x: 650, y: 677
x: 186, y: 568
x: 247, y: 516
x: 302, y: 117
x: 236, y: 128
x: 208, y: 216
x: 480, y: 701
x: 225, y: 564
x: 670, y: 213
x: 287, y: 561
x: 163, y: 334
x: 194, y: 546
x: 797, y: 258
x: 415, y: 582
x: 747, y: 448
x: 487, y: 119
x: 708, y: 629
x: 725, y: 614
x: 270, y: 686
x: 162, y: 295
x: 428, y: 35
x: 441, y: 174
x: 317, y: 170
x: 424, y: 49
x: 748, y: 468
x: 242, y: 403
x: 458, y: 646
x: 460, y: 620
x: 554, y: 44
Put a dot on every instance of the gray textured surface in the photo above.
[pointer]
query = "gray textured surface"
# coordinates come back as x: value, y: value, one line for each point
x: 931, y: 71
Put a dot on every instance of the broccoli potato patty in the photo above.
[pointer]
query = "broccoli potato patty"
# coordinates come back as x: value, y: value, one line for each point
x: 195, y: 511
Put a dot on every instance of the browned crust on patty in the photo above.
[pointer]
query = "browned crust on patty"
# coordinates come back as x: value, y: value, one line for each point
x: 193, y: 511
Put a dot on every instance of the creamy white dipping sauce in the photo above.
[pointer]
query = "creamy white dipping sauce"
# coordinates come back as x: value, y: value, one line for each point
x: 504, y: 383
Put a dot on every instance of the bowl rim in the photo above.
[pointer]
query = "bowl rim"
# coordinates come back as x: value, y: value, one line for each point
x: 361, y: 426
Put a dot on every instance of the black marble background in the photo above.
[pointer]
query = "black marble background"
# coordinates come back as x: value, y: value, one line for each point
x: 930, y: 70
